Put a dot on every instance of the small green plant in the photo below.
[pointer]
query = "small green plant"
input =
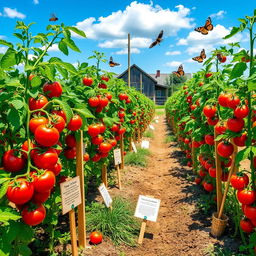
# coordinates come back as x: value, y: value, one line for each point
x: 170, y: 138
x: 148, y: 134
x: 213, y: 250
x: 118, y: 224
x: 137, y: 159
x: 160, y: 112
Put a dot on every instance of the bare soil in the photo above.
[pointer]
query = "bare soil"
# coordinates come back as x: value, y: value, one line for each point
x: 181, y: 228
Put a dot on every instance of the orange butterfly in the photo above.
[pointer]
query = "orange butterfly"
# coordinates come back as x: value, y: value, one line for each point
x: 219, y: 56
x: 206, y: 28
x: 180, y: 71
x: 158, y: 40
x: 200, y: 58
x: 112, y: 63
x: 53, y: 18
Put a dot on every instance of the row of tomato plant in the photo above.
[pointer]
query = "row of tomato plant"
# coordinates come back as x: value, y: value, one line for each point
x: 45, y: 103
x: 219, y: 104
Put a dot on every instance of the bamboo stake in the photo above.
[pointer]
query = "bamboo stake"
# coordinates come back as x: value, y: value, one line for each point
x: 72, y: 225
x: 218, y: 174
x: 119, y: 177
x: 193, y: 158
x: 233, y: 169
x: 142, y: 231
x: 104, y: 176
x: 81, y: 207
x: 122, y: 151
x: 130, y: 143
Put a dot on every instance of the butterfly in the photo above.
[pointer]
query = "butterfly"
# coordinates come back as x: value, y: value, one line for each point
x: 112, y: 63
x: 206, y: 28
x: 180, y: 71
x: 158, y: 40
x: 200, y: 58
x: 219, y: 56
x: 53, y: 18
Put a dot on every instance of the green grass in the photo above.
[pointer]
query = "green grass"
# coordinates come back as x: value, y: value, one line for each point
x: 137, y: 159
x: 118, y: 224
x: 213, y: 250
x: 148, y: 134
x: 160, y: 113
x: 159, y: 106
x: 170, y: 138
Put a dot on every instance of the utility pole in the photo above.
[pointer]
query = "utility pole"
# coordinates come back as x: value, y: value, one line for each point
x: 129, y: 55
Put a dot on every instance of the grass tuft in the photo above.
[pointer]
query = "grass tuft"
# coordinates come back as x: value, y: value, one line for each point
x: 148, y: 134
x: 119, y: 225
x: 170, y: 138
x: 137, y: 159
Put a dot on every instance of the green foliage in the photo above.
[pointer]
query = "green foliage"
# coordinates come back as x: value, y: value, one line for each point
x: 137, y: 159
x: 148, y: 134
x: 118, y: 224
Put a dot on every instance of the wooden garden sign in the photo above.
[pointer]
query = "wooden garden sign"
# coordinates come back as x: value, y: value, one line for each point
x: 118, y: 161
x: 147, y: 209
x: 70, y: 199
x: 105, y: 195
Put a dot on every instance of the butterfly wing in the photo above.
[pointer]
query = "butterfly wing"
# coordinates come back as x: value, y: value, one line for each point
x: 176, y: 73
x: 202, y: 54
x: 181, y: 71
x: 219, y: 56
x: 53, y: 18
x: 208, y: 24
x: 202, y: 30
x: 198, y: 59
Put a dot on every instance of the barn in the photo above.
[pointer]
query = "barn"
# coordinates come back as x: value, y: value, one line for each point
x: 154, y: 86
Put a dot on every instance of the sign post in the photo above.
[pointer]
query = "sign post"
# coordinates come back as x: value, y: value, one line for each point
x: 105, y: 195
x: 122, y: 151
x: 147, y: 209
x: 104, y: 175
x: 118, y: 160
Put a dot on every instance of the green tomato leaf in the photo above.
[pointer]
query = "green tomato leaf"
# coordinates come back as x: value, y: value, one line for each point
x: 241, y: 155
x: 17, y: 104
x: 9, y: 58
x: 238, y: 70
x: 3, y: 189
x: 3, y: 42
x: 77, y: 31
x: 71, y: 44
x: 36, y: 81
x: 63, y: 47
x: 85, y: 112
x: 24, y: 250
x: 234, y: 31
x: 65, y: 107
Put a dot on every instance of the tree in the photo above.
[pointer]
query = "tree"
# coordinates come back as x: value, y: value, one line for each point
x: 174, y: 82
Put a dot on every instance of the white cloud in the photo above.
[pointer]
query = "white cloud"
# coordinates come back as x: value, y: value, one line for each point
x: 193, y: 8
x: 3, y: 49
x: 141, y: 20
x: 53, y: 48
x: 36, y: 1
x: 13, y: 13
x: 218, y: 15
x: 196, y: 41
x: 173, y: 53
x: 173, y: 64
x: 125, y: 51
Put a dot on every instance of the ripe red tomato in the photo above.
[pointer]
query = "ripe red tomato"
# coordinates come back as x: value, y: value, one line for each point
x: 38, y: 103
x: 235, y: 124
x: 224, y: 176
x: 208, y: 187
x: 52, y: 89
x: 56, y: 169
x: 75, y: 123
x: 95, y: 237
x: 241, y: 111
x: 103, y: 102
x: 212, y: 120
x: 36, y: 121
x: 212, y: 172
x: 239, y: 181
x: 24, y: 147
x: 246, y: 196
x: 20, y: 191
x: 97, y: 140
x: 223, y: 98
x: 128, y: 101
x: 121, y: 114
x: 86, y: 157
x: 226, y: 163
x: 240, y: 140
x: 60, y: 113
x: 12, y: 162
x: 208, y: 164
x: 122, y: 131
x: 46, y: 136
x: 209, y: 139
x: 220, y: 128
x: 35, y: 216
x: 209, y: 111
x: 246, y: 226
x: 250, y: 212
x: 207, y: 75
x: 233, y: 101
x: 58, y: 122
x: 122, y: 96
x: 93, y: 130
x: 93, y: 102
x: 44, y: 182
x: 103, y: 155
x: 104, y: 78
x: 202, y: 173
x: 245, y: 59
x: 113, y: 142
x: 105, y: 147
x: 102, y: 86
x: 198, y: 180
x: 70, y: 153
x: 223, y: 59
x: 42, y: 197
x: 31, y: 76
x: 46, y: 159
x: 225, y: 149
x: 70, y: 141
x: 96, y: 157
x: 109, y: 96
x: 102, y: 127
x: 87, y: 81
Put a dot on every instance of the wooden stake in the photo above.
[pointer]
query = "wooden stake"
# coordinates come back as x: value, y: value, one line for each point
x: 218, y: 174
x: 119, y: 177
x: 129, y: 56
x: 72, y: 225
x: 122, y: 151
x: 142, y: 231
x: 130, y: 143
x: 81, y: 207
x: 104, y: 176
x: 193, y: 158
x: 233, y: 169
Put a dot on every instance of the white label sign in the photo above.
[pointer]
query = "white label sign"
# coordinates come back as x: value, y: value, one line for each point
x: 105, y: 195
x: 134, y: 147
x: 145, y: 144
x: 70, y: 194
x: 147, y: 208
x: 156, y: 121
x: 151, y: 127
x: 117, y: 156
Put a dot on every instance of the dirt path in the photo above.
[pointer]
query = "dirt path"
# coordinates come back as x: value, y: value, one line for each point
x: 180, y: 229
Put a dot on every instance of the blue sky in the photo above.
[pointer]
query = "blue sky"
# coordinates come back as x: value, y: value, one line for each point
x: 107, y: 23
